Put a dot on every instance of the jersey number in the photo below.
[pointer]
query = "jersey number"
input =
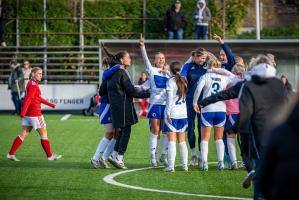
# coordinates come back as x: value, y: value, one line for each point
x: 216, y: 88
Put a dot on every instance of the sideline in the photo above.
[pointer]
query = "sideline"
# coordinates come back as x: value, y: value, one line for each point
x: 110, y: 180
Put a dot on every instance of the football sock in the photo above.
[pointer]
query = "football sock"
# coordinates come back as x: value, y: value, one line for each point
x: 184, y: 153
x: 220, y: 149
x: 108, y: 149
x: 46, y: 146
x: 16, y: 144
x: 231, y: 149
x: 204, y: 149
x: 100, y: 149
x: 171, y: 153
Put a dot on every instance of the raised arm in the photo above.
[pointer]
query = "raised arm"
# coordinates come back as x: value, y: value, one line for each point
x: 230, y: 57
x: 148, y: 65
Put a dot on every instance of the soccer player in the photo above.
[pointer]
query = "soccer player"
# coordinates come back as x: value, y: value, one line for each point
x: 212, y: 115
x: 32, y: 117
x: 158, y: 76
x: 176, y: 122
x: 106, y: 144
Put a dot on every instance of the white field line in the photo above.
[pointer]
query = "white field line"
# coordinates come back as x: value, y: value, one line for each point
x: 65, y: 117
x: 110, y: 180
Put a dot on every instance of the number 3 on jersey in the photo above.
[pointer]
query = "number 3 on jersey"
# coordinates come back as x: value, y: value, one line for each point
x: 215, y: 87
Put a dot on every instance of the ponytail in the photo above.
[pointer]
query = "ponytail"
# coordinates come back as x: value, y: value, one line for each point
x: 181, y: 82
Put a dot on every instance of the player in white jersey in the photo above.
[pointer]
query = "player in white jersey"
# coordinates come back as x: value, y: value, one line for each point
x: 158, y: 76
x: 212, y: 115
x: 176, y: 122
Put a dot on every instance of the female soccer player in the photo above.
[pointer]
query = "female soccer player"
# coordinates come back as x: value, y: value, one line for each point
x: 106, y: 144
x: 32, y: 117
x: 176, y: 122
x: 158, y: 76
x: 212, y: 115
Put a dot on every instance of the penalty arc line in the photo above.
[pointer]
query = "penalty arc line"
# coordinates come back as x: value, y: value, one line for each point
x: 110, y: 180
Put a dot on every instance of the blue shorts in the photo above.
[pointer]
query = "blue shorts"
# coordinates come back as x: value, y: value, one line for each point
x: 105, y: 113
x: 230, y: 120
x: 212, y: 119
x: 177, y: 125
x: 156, y: 111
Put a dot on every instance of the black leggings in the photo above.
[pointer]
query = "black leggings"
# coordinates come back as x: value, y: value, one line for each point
x: 123, y: 140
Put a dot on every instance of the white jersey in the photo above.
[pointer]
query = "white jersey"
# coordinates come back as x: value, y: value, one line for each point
x: 212, y: 83
x: 157, y: 80
x: 176, y: 108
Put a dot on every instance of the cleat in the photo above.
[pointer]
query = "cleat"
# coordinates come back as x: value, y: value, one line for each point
x: 12, y: 157
x: 234, y: 165
x: 54, y: 157
x: 247, y: 180
x: 193, y: 161
x: 153, y: 162
x: 185, y: 168
x: 104, y: 164
x: 169, y: 169
x: 94, y: 163
x: 112, y: 160
x: 204, y: 166
x: 163, y: 160
x: 220, y: 165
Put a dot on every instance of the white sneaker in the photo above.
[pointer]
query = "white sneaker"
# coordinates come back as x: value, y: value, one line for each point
x: 193, y: 161
x: 163, y: 160
x: 54, y: 157
x: 3, y: 44
x: 220, y: 165
x: 12, y: 157
x: 185, y: 168
x: 169, y: 169
x: 247, y: 180
x: 103, y: 164
x: 94, y: 163
x: 234, y: 165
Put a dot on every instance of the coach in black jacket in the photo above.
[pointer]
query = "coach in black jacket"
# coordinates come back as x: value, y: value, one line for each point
x: 279, y: 173
x: 120, y: 92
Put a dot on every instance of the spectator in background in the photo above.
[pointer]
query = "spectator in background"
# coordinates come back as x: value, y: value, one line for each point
x: 16, y: 85
x: 3, y: 18
x: 202, y: 16
x: 143, y: 103
x: 174, y: 21
x: 26, y: 71
x: 285, y: 81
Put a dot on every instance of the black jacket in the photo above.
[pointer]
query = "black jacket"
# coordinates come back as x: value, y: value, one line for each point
x: 120, y: 92
x: 260, y: 102
x: 174, y: 20
x: 278, y: 175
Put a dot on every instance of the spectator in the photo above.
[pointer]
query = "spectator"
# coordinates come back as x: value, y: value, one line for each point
x: 16, y: 85
x: 3, y: 18
x: 174, y: 21
x: 143, y: 103
x: 26, y: 71
x: 285, y: 81
x: 279, y: 173
x: 202, y: 16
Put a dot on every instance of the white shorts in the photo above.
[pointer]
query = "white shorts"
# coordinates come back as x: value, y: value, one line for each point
x: 35, y: 122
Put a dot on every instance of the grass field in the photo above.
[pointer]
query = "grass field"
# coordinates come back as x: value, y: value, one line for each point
x: 72, y: 177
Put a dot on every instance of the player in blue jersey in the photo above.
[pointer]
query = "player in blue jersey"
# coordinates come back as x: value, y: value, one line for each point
x: 176, y: 122
x: 158, y: 76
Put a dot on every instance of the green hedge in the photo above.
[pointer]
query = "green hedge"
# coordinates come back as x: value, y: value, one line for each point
x: 235, y: 12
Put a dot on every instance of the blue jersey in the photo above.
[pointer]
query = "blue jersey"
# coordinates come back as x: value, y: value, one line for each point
x: 192, y: 72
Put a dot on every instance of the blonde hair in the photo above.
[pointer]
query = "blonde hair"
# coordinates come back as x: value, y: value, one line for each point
x: 238, y: 69
x: 35, y: 69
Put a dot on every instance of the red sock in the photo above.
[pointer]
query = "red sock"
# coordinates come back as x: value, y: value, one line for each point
x: 15, y: 145
x: 46, y: 146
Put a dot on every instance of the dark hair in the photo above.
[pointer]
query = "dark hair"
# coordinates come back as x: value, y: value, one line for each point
x: 110, y: 60
x: 199, y: 52
x: 181, y: 82
x: 120, y: 55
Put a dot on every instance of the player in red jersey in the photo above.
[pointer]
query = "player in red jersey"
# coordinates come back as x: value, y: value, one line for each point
x: 32, y: 117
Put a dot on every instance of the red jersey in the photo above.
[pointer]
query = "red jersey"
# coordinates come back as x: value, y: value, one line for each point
x: 33, y: 100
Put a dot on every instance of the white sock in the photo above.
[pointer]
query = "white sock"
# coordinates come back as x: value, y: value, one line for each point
x: 165, y: 144
x: 231, y: 149
x: 220, y: 149
x: 114, y: 154
x: 157, y: 149
x: 153, y: 143
x: 184, y: 153
x: 193, y: 152
x: 109, y: 149
x: 204, y: 149
x: 100, y: 149
x: 171, y: 153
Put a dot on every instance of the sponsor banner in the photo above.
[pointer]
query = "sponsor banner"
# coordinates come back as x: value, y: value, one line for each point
x: 66, y: 97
